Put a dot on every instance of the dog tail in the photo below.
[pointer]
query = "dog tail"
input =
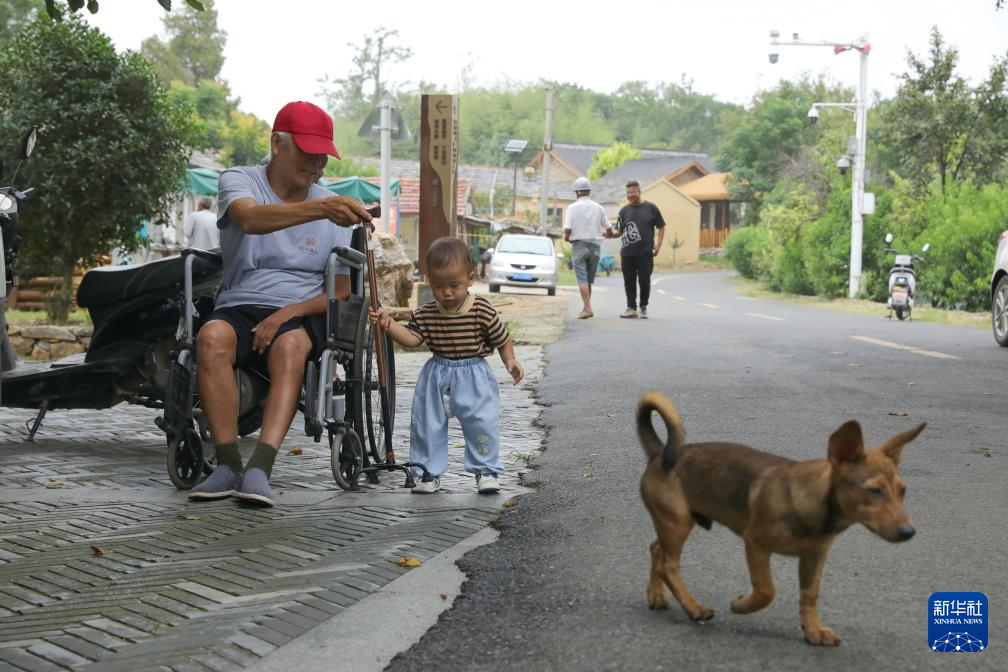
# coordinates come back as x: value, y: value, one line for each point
x: 653, y: 447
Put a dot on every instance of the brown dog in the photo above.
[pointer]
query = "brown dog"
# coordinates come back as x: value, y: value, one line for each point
x: 775, y: 504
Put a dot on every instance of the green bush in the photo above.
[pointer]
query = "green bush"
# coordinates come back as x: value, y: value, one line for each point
x: 964, y: 224
x: 744, y: 247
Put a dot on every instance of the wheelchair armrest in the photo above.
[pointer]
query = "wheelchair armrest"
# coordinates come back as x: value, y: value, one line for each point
x: 212, y: 256
x: 350, y: 256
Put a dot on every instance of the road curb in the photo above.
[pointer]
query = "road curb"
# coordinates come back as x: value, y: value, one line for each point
x: 369, y: 634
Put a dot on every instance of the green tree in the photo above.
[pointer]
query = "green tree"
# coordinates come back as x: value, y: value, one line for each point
x: 194, y: 50
x: 55, y: 8
x: 112, y: 149
x: 245, y: 140
x: 355, y: 95
x: 611, y: 158
x: 209, y: 107
x: 763, y: 143
x: 942, y: 128
x: 13, y: 13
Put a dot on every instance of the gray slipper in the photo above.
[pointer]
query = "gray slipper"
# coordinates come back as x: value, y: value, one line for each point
x: 221, y: 483
x: 254, y: 488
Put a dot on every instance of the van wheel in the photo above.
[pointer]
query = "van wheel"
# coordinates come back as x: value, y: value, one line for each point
x: 551, y: 291
x: 495, y: 289
x: 999, y: 312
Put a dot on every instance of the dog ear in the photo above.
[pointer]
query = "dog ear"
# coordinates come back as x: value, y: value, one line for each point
x: 893, y: 448
x: 846, y: 444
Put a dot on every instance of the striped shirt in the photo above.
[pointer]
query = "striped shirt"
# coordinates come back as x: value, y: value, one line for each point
x: 475, y: 330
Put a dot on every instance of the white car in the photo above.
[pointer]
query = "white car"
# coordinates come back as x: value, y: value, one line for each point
x: 999, y: 292
x: 524, y: 261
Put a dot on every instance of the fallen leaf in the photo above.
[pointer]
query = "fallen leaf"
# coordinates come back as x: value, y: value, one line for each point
x: 444, y: 596
x: 588, y: 474
x: 295, y: 451
x: 408, y: 562
x: 509, y: 503
x: 855, y: 365
x: 54, y: 484
x: 191, y: 517
x: 899, y: 413
x: 249, y: 550
x: 98, y: 550
x: 458, y: 445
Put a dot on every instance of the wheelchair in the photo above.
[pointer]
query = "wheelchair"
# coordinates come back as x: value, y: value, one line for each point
x: 348, y: 412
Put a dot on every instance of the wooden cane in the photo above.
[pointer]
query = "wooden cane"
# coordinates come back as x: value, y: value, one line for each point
x: 379, y: 340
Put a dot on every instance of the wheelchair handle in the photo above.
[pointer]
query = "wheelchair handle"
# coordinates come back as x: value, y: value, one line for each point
x: 349, y: 256
x: 214, y: 258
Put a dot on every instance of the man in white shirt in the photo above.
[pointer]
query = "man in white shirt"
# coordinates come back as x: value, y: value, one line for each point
x: 201, y: 229
x: 583, y: 227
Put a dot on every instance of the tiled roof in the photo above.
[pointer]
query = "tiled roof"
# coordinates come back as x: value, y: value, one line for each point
x: 708, y: 188
x: 409, y: 196
x: 650, y: 168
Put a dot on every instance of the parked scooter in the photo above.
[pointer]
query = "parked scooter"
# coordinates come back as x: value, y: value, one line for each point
x: 134, y: 311
x: 902, y: 281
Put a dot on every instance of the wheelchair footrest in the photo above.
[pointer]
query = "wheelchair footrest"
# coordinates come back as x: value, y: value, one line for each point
x: 406, y: 467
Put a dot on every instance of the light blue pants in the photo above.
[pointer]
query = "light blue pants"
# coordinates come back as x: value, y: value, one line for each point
x: 474, y: 400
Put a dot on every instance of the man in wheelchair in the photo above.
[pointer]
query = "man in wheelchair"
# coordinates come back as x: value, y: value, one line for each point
x: 277, y: 228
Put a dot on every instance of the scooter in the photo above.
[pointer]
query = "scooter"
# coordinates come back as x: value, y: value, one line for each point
x: 902, y: 281
x: 134, y: 311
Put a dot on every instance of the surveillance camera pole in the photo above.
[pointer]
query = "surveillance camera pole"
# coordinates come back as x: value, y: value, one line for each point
x: 860, y: 109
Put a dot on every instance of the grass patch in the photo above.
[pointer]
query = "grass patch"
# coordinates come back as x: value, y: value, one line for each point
x: 959, y: 318
x: 27, y: 318
x: 714, y: 259
x: 565, y: 276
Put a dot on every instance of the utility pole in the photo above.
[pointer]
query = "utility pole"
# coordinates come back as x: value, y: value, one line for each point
x: 860, y: 109
x: 547, y: 147
x: 386, y: 105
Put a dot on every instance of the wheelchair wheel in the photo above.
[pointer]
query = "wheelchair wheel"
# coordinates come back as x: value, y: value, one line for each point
x: 345, y: 455
x: 186, y: 464
x: 379, y: 405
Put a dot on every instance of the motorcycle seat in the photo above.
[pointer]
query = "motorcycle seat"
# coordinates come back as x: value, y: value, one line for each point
x: 114, y: 284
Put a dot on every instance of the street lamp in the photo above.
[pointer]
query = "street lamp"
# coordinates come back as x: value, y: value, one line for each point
x: 516, y: 147
x: 857, y: 150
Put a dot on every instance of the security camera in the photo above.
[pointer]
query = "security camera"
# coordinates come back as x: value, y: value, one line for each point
x: 813, y: 115
x: 842, y: 164
x: 774, y: 56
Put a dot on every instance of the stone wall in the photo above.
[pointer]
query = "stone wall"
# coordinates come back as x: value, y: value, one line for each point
x: 43, y: 342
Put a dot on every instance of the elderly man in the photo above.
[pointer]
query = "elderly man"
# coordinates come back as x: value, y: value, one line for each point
x: 277, y: 227
x: 584, y: 225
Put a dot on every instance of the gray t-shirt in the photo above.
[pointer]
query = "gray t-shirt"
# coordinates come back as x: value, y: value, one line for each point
x: 274, y: 269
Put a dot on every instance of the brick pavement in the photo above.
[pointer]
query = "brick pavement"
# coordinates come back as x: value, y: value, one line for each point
x: 210, y: 586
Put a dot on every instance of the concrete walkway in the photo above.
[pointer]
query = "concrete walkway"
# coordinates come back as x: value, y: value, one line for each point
x: 105, y: 566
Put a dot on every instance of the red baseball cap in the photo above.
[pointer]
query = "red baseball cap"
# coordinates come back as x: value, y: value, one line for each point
x: 310, y: 126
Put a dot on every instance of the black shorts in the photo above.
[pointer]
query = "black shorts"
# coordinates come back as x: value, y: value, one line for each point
x: 243, y: 318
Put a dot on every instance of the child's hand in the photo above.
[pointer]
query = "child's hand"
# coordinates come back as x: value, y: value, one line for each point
x: 380, y: 318
x: 515, y: 369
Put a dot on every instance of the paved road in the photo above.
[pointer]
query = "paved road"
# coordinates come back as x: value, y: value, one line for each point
x: 563, y: 588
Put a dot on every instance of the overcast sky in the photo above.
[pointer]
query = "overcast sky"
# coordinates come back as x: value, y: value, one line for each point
x: 278, y: 49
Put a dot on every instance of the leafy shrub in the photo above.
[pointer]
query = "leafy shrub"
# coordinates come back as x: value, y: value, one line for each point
x: 744, y: 247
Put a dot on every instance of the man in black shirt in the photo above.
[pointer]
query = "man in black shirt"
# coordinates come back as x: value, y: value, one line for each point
x: 636, y: 225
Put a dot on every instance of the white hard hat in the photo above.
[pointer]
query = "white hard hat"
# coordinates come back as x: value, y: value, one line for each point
x: 582, y: 184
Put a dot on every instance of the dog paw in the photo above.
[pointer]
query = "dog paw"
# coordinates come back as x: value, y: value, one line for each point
x: 821, y: 637
x: 703, y: 612
x: 657, y: 599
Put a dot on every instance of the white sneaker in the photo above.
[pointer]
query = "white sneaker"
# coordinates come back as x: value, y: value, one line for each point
x: 643, y: 313
x: 426, y: 488
x: 487, y: 484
